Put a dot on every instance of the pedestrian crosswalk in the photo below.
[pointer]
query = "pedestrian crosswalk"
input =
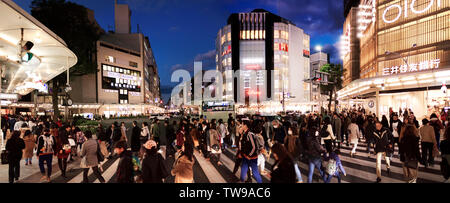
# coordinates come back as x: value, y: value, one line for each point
x: 360, y: 168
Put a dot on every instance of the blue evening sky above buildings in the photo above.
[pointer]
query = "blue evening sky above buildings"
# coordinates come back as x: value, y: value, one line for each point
x: 182, y: 31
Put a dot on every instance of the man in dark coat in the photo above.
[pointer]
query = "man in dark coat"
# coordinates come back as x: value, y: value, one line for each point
x: 14, y: 146
x: 384, y: 142
x: 135, y: 138
x: 125, y: 169
x: 170, y: 134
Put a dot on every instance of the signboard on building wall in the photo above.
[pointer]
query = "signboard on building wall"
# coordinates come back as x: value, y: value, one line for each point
x: 306, y: 53
x: 415, y: 67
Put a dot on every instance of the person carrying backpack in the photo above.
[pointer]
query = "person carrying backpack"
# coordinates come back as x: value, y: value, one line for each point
x: 249, y: 153
x: 334, y: 167
x: 326, y: 133
x: 45, y: 150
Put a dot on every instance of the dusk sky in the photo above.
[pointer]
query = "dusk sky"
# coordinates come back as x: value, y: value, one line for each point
x: 182, y: 31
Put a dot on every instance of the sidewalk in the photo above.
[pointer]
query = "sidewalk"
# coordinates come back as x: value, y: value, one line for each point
x: 32, y: 173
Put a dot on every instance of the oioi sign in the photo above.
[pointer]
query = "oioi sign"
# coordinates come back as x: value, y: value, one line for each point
x: 405, y: 9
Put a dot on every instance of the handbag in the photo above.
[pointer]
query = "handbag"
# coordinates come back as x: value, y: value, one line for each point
x: 83, y: 163
x: 100, y: 156
x: 72, y: 142
x: 411, y: 163
x: 435, y: 151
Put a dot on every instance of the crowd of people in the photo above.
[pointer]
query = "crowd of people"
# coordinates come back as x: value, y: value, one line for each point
x: 314, y: 139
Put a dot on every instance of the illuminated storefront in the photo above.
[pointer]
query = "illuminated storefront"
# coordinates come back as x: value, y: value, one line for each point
x: 405, y: 56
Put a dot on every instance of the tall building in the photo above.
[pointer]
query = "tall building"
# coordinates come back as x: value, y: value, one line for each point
x: 404, y: 56
x: 318, y: 60
x: 350, y: 45
x: 349, y: 4
x: 261, y: 41
x: 127, y: 80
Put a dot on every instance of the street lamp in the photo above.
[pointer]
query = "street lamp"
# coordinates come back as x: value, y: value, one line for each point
x: 319, y: 48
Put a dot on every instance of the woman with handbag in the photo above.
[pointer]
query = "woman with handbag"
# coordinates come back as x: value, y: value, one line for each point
x: 410, y: 153
x: 215, y: 145
x: 63, y: 149
x: 90, y: 153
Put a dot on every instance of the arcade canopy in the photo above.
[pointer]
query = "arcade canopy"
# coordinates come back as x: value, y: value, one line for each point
x: 24, y: 71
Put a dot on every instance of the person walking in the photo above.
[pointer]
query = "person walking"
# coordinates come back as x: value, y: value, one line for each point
x: 283, y: 170
x: 145, y: 133
x: 89, y: 154
x: 215, y: 145
x: 428, y: 142
x: 396, y: 129
x: 337, y: 124
x: 437, y: 125
x: 249, y: 153
x: 45, y: 150
x: 116, y: 136
x: 30, y: 144
x: 63, y: 149
x: 410, y: 154
x: 327, y: 135
x: 294, y: 147
x: 337, y: 169
x: 155, y: 132
x: 14, y: 146
x: 135, y: 138
x: 384, y: 142
x: 124, y: 172
x: 123, y: 130
x: 313, y: 153
x: 279, y: 132
x: 182, y: 169
x: 153, y: 167
x: 163, y: 137
x: 354, y: 135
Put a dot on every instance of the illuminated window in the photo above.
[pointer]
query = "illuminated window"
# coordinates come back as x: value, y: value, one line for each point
x: 229, y: 36
x: 110, y: 59
x: 223, y: 39
x: 229, y: 61
x: 261, y: 34
x: 277, y: 58
x: 276, y: 46
x: 248, y: 34
x: 276, y: 34
x: 133, y: 64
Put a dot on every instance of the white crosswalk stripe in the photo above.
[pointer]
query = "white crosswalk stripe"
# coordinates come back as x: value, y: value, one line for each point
x: 211, y: 172
x: 360, y: 168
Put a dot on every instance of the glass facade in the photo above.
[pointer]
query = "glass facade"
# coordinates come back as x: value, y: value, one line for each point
x: 416, y: 32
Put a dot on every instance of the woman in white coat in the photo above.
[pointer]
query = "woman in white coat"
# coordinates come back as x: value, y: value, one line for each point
x: 354, y: 135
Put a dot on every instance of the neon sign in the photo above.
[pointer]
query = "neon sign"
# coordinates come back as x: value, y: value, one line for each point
x: 424, y: 65
x: 405, y: 9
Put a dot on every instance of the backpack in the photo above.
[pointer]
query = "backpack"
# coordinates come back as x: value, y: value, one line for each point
x: 259, y: 142
x: 246, y: 144
x: 48, y: 144
x: 324, y: 131
x: 331, y: 167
